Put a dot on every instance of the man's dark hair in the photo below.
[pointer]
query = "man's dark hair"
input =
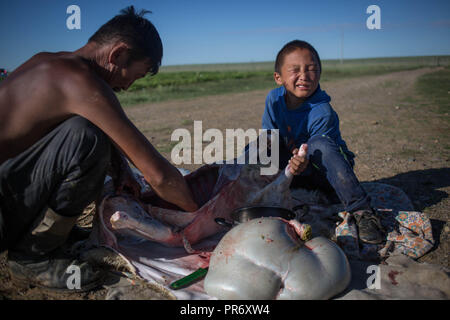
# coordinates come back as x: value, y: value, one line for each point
x: 291, y: 46
x: 139, y: 33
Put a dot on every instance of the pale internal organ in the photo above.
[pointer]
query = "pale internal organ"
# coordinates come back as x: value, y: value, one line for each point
x: 265, y: 259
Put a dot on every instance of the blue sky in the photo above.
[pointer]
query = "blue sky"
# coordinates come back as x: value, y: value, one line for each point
x: 210, y: 31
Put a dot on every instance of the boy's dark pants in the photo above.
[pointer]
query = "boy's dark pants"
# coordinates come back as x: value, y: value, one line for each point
x: 64, y: 171
x: 329, y: 170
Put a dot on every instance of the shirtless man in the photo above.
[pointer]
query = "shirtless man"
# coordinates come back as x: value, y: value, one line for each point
x: 61, y: 125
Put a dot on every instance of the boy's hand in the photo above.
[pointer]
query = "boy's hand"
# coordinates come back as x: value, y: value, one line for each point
x: 297, y: 164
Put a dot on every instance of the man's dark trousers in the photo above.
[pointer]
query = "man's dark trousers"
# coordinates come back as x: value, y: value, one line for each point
x: 64, y: 171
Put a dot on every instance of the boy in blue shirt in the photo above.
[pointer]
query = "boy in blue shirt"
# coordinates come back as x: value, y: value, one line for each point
x: 301, y: 112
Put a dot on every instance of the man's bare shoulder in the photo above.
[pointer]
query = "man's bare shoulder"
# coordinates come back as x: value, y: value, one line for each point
x: 62, y: 67
x: 69, y: 69
x: 60, y: 71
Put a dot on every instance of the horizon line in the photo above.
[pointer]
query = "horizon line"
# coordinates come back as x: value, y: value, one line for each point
x: 272, y: 61
x: 333, y: 59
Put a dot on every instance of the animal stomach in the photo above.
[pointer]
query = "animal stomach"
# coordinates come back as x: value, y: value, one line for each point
x: 264, y: 259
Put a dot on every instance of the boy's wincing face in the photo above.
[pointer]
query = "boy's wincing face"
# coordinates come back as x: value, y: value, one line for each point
x: 300, y: 75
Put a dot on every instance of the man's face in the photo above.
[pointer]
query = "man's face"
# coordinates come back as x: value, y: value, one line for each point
x: 127, y: 73
x: 300, y: 75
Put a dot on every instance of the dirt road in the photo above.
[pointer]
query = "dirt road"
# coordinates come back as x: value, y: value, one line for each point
x: 392, y: 129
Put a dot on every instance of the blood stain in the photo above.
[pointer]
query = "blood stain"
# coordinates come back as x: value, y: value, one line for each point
x: 392, y: 276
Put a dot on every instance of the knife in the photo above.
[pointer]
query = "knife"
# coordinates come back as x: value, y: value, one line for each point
x: 189, y: 279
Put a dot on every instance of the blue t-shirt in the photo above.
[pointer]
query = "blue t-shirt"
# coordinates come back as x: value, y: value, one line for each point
x: 313, y: 117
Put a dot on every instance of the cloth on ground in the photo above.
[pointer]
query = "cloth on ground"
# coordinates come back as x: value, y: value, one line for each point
x: 399, y: 277
x: 409, y: 233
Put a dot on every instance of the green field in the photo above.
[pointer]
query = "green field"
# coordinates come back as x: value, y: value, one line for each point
x: 190, y: 81
x: 436, y: 88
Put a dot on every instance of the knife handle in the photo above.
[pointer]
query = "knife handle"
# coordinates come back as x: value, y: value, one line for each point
x: 189, y: 279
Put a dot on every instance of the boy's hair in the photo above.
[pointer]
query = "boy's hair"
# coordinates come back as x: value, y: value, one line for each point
x: 291, y: 46
x: 139, y: 33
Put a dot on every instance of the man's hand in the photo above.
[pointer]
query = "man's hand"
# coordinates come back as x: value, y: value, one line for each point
x: 127, y: 180
x: 298, y: 163
x: 123, y: 176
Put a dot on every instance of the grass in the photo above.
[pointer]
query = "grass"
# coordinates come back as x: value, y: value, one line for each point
x: 436, y: 88
x: 433, y: 97
x: 194, y: 89
x: 166, y: 147
x: 190, y: 81
x: 187, y: 122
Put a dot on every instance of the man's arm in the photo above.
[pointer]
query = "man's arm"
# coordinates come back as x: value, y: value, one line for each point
x: 121, y: 173
x: 94, y: 100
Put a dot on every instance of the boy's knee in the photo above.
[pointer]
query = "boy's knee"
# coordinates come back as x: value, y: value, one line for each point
x: 322, y: 148
x: 320, y: 143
